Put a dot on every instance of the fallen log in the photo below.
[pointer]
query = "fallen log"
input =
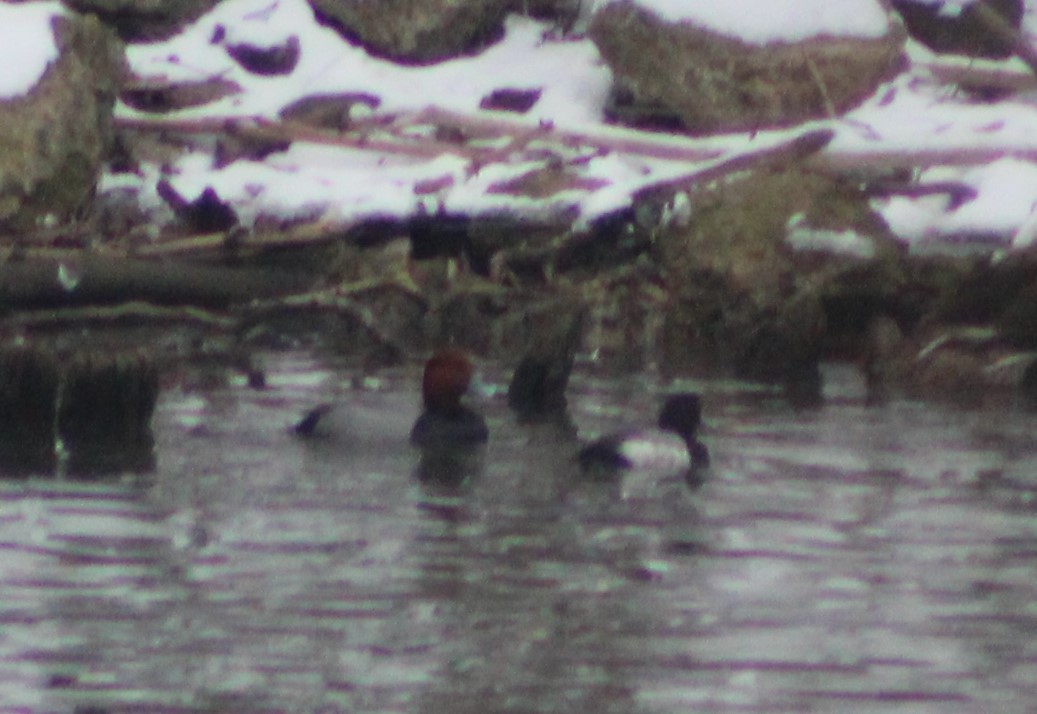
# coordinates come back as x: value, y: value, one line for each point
x: 91, y: 279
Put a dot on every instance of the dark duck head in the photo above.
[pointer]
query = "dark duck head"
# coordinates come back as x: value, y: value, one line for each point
x: 682, y: 415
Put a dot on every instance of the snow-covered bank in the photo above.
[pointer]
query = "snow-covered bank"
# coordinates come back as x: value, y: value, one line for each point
x: 914, y: 112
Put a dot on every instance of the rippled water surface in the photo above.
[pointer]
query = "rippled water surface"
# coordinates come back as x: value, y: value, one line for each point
x: 843, y: 558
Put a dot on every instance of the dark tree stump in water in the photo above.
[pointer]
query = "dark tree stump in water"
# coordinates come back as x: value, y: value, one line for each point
x: 88, y: 415
x: 104, y: 419
x: 29, y: 384
x: 539, y: 382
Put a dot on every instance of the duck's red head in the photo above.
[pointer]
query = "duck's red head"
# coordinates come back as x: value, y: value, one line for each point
x: 447, y: 376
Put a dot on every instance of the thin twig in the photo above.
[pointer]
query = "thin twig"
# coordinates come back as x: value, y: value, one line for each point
x: 322, y: 300
x: 815, y: 74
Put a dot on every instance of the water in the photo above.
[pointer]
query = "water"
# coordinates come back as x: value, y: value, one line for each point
x: 850, y: 557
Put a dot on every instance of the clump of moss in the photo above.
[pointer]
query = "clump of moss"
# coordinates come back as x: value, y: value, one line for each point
x: 743, y: 296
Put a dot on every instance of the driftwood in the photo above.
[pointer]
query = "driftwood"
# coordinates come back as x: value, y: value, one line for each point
x: 617, y: 139
x: 970, y: 75
x: 787, y: 152
x: 720, y: 162
x: 713, y: 162
x: 256, y: 129
x: 398, y: 135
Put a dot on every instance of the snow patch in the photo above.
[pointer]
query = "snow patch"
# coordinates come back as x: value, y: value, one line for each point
x: 27, y: 45
x: 1006, y: 192
x: 776, y: 20
x: 802, y: 237
x: 575, y: 83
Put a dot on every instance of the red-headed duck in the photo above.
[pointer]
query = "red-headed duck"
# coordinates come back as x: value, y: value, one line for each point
x: 447, y: 422
x: 444, y: 420
x: 672, y: 446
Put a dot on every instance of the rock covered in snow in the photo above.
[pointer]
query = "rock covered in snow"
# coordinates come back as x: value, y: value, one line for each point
x: 144, y: 20
x: 773, y: 21
x: 683, y: 67
x: 417, y: 31
x: 55, y: 130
